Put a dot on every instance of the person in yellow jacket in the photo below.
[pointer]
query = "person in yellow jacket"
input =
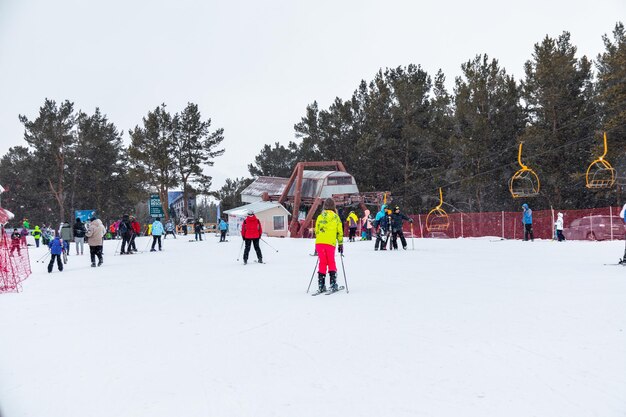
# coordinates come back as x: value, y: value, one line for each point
x: 328, y: 232
x: 353, y: 221
x: 37, y: 235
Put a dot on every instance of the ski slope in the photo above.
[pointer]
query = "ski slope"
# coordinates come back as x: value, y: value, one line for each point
x: 463, y: 327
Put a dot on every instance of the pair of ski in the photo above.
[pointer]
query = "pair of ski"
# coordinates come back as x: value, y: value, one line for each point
x: 329, y: 292
x: 622, y: 262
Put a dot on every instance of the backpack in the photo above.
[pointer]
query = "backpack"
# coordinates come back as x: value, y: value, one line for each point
x: 123, y: 228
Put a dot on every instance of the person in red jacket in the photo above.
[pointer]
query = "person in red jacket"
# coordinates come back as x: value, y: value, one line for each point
x: 136, y: 226
x: 251, y: 232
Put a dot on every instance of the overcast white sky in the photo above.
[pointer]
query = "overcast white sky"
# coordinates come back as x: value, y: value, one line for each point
x: 253, y: 66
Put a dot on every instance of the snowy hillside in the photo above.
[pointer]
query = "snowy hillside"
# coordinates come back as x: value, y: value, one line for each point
x: 464, y: 327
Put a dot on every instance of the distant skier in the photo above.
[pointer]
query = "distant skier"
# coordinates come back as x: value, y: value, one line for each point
x: 353, y: 221
x: 170, y: 229
x: 125, y: 229
x: 136, y: 227
x: 223, y: 230
x: 397, y: 219
x: 383, y: 225
x: 56, y: 249
x: 157, y: 231
x: 37, y: 235
x: 251, y: 232
x: 79, y: 236
x: 95, y: 234
x: 367, y: 225
x: 198, y: 226
x: 16, y: 242
x: 559, y: 227
x: 65, y: 231
x: 328, y: 233
x: 527, y: 220
x: 622, y: 214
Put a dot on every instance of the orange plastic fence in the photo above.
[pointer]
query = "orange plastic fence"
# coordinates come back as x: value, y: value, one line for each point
x: 588, y: 224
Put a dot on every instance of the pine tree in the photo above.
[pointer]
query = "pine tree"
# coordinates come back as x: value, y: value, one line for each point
x: 611, y: 88
x: 152, y: 153
x: 558, y: 91
x: 488, y: 120
x: 99, y: 172
x: 194, y: 148
x: 230, y: 193
x: 277, y: 161
x: 52, y: 138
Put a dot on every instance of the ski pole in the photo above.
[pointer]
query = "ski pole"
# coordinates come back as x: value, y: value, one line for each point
x: 43, y: 257
x: 146, y: 248
x: 312, y: 275
x: 240, y: 249
x: 412, y: 242
x: 345, y: 279
x: 118, y: 246
x: 269, y: 245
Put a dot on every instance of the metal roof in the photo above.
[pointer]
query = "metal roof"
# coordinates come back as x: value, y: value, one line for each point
x: 320, y: 175
x: 258, y: 207
x: 270, y: 185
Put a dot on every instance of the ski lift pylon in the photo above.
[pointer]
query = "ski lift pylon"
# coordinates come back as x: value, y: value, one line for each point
x: 600, y: 173
x: 437, y: 219
x: 524, y: 183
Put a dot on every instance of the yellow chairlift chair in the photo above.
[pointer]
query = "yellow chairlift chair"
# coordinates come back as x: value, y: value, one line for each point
x: 600, y: 173
x: 524, y: 183
x: 437, y: 219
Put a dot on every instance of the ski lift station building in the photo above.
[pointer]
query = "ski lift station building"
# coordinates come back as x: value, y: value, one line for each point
x: 315, y: 184
x: 273, y: 216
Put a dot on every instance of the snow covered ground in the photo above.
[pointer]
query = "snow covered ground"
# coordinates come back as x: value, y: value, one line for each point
x: 464, y: 327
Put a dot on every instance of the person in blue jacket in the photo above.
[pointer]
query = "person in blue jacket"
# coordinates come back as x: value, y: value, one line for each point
x: 157, y: 231
x: 56, y: 249
x: 527, y: 220
x: 223, y: 229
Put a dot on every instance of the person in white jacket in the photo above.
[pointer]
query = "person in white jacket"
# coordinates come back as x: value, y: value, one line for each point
x: 559, y: 227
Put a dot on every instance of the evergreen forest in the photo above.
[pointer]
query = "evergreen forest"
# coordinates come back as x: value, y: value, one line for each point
x: 402, y: 132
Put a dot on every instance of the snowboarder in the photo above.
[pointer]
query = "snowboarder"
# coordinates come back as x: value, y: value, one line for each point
x: 95, y: 233
x: 251, y: 232
x: 56, y: 249
x: 559, y: 227
x: 157, y: 231
x: 397, y: 219
x: 328, y: 233
x: 79, y: 236
x: 527, y: 221
x: 223, y: 230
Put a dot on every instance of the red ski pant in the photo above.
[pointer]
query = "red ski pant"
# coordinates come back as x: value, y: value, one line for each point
x: 326, y: 254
